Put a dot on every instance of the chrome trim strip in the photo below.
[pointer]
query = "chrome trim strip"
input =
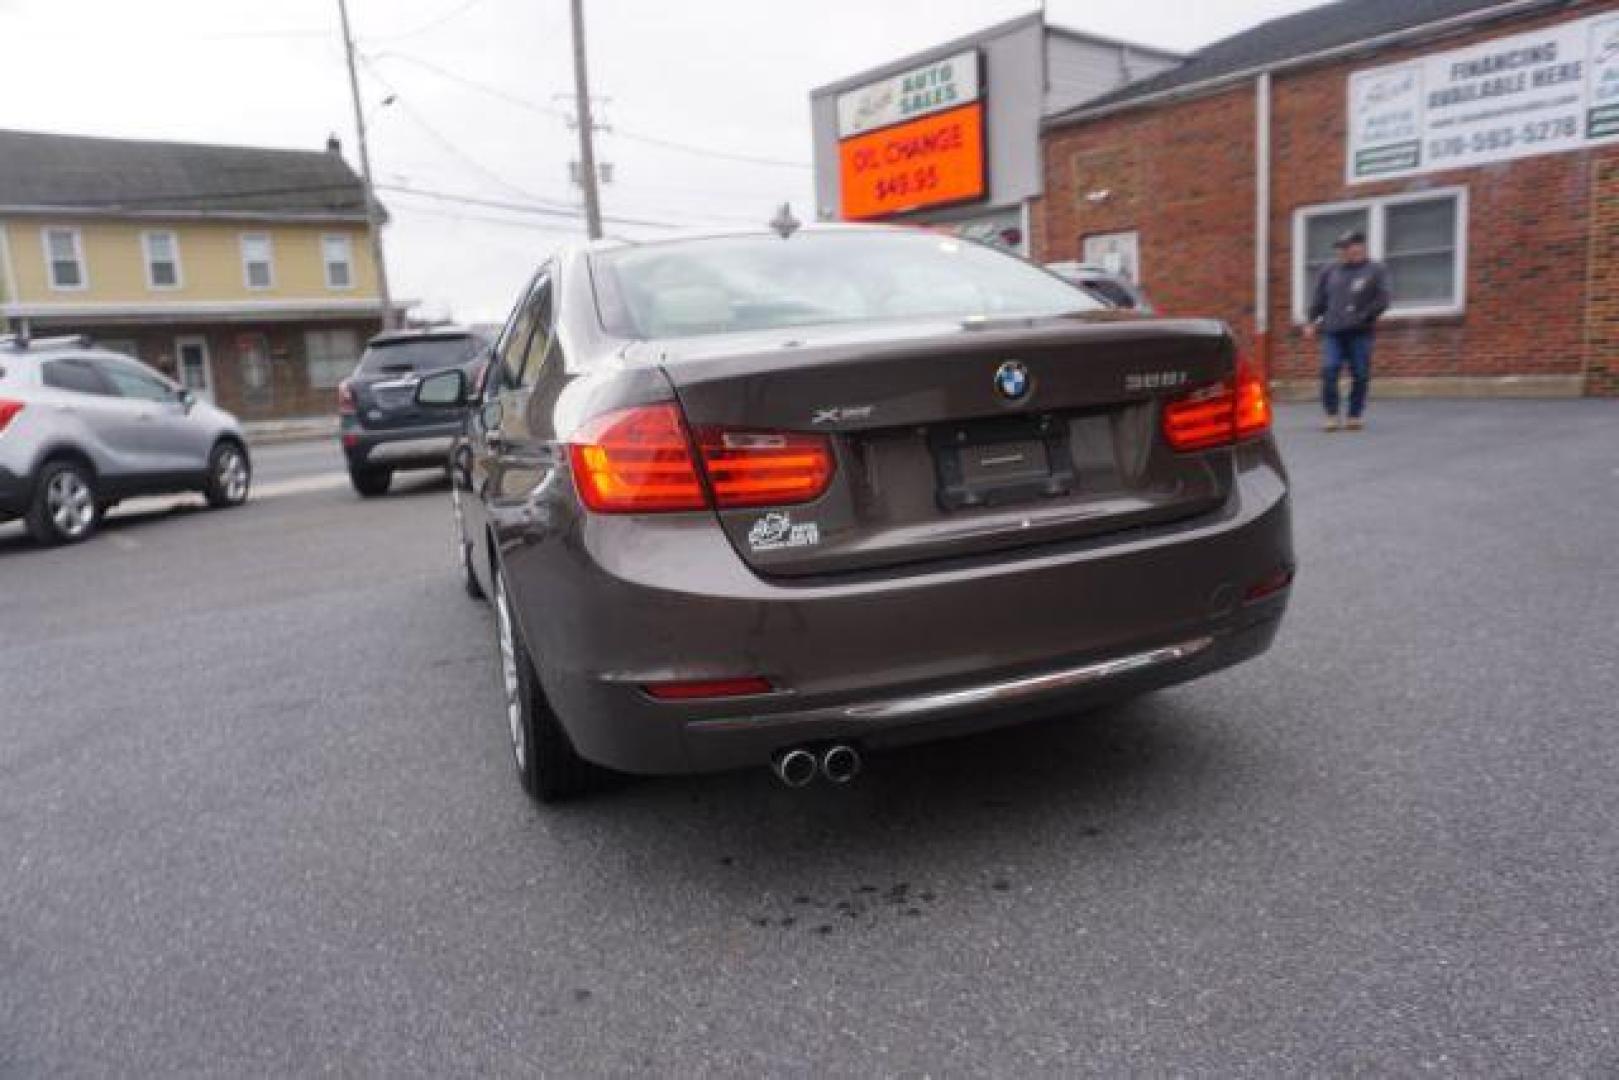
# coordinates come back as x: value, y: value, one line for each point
x: 1005, y: 692
x: 401, y: 449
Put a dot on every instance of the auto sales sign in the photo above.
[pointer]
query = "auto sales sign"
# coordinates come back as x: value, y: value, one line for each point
x: 914, y: 140
x: 1541, y: 92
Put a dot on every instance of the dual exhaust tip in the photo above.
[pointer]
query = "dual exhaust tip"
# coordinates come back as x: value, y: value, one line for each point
x: 799, y: 767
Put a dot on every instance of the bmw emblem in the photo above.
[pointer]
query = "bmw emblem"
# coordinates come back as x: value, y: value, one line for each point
x: 1012, y: 380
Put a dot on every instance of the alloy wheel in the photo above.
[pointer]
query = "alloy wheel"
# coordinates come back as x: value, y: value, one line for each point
x: 71, y: 504
x: 508, y: 675
x: 231, y: 475
x: 461, y: 545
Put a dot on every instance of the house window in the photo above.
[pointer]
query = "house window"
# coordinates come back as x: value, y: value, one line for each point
x: 332, y: 355
x: 1420, y: 237
x: 338, y: 253
x: 1117, y: 253
x: 257, y: 261
x: 162, y: 260
x: 64, y: 255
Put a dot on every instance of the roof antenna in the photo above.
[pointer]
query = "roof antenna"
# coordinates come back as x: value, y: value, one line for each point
x: 784, y: 224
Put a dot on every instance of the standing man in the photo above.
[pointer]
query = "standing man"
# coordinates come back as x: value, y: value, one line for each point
x: 1350, y: 296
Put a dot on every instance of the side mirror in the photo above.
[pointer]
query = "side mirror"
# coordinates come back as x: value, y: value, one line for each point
x: 186, y: 397
x: 443, y: 390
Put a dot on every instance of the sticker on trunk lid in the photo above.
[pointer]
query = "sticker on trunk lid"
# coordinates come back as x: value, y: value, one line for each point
x: 776, y: 532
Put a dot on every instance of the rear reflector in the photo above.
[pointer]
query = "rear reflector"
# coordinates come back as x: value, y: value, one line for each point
x: 1278, y: 580
x: 709, y: 688
x: 8, y: 412
x: 760, y: 468
x: 1223, y: 413
x: 636, y: 461
x: 640, y: 460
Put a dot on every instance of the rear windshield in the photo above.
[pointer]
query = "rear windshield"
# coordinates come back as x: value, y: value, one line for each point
x: 728, y: 284
x: 419, y: 357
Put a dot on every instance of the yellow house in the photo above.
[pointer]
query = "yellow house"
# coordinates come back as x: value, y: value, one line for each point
x: 245, y: 273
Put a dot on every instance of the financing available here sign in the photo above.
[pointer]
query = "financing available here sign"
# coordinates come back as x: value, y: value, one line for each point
x: 1541, y: 92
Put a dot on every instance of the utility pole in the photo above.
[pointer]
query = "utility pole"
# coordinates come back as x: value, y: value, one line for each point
x: 587, y: 127
x: 373, y: 209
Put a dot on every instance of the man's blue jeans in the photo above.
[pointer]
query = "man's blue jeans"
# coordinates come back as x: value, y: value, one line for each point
x: 1352, y: 347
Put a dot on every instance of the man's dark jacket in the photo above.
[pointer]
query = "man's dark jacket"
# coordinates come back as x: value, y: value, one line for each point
x: 1350, y: 296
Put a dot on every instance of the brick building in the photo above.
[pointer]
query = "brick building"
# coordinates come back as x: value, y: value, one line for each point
x: 1477, y: 144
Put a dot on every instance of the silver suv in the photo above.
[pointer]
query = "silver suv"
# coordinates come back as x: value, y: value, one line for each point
x: 82, y: 428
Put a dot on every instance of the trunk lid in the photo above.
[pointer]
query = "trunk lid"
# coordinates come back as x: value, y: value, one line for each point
x: 955, y: 439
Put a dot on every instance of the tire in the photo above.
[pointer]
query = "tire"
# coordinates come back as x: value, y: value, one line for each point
x: 65, y: 509
x: 547, y: 764
x: 463, y: 548
x: 371, y: 483
x: 230, y: 476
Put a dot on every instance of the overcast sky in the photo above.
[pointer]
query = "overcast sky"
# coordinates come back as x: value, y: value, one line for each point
x: 479, y: 89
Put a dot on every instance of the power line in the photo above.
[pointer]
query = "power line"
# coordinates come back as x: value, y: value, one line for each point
x: 526, y: 208
x: 257, y: 35
x: 471, y: 84
x: 700, y: 151
x: 443, y: 140
x: 632, y: 136
x: 490, y: 219
x: 432, y: 23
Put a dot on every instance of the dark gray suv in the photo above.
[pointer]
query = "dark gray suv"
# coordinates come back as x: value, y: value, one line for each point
x: 381, y: 427
x: 761, y: 498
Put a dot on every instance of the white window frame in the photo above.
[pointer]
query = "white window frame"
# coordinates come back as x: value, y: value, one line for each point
x: 174, y: 249
x: 78, y: 257
x: 269, y: 260
x: 1376, y: 236
x: 348, y: 259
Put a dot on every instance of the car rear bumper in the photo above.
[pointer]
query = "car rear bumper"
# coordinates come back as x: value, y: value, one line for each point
x: 424, y: 447
x: 884, y: 658
x: 985, y: 704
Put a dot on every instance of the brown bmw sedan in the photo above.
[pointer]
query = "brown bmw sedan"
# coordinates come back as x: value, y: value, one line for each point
x: 788, y: 496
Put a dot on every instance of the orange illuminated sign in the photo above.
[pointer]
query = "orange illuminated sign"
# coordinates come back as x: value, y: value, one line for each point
x: 928, y: 162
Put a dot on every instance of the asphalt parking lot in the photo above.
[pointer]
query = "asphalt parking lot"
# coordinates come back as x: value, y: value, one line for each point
x: 257, y: 815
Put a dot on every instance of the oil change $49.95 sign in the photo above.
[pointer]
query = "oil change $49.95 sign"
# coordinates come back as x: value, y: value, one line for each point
x: 932, y: 161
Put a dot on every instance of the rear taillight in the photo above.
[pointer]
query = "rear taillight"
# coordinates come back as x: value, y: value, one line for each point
x: 1253, y: 401
x: 8, y: 412
x: 345, y: 399
x: 764, y: 468
x: 640, y: 460
x: 1229, y: 410
x: 636, y: 461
